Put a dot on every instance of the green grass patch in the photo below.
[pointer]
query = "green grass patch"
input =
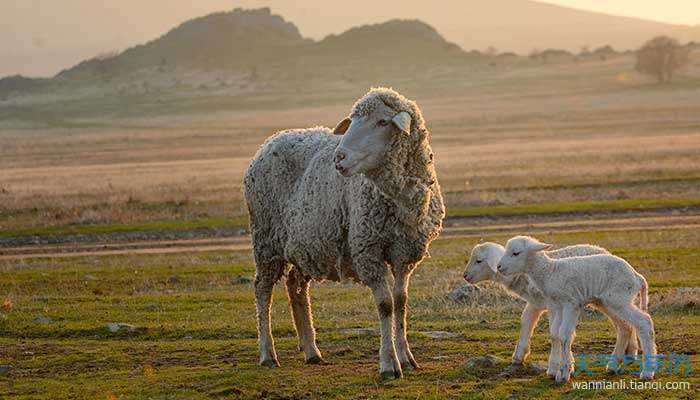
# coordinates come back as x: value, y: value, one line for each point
x: 169, y: 225
x: 571, y: 207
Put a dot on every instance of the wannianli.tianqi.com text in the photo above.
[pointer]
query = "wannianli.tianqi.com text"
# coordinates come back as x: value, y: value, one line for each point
x: 630, y: 384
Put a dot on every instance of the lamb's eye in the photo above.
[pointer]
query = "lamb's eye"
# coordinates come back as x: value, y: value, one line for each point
x: 382, y: 122
x: 516, y: 253
x: 479, y: 261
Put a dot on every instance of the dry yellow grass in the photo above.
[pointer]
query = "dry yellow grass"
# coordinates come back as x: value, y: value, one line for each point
x: 504, y: 136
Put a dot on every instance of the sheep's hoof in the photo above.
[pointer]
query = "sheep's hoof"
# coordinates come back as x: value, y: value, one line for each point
x: 409, y: 364
x: 270, y: 363
x: 389, y: 375
x: 316, y: 360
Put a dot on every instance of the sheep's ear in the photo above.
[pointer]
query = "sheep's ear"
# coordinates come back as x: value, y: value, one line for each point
x: 539, y: 246
x: 342, y: 127
x: 402, y: 121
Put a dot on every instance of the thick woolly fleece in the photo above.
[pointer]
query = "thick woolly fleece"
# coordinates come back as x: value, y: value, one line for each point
x: 303, y: 212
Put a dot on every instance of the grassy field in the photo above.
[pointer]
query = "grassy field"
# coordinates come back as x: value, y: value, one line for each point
x: 194, y: 335
x: 576, y: 152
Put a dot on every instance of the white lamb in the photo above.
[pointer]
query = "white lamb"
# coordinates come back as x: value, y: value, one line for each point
x: 568, y: 284
x: 481, y: 267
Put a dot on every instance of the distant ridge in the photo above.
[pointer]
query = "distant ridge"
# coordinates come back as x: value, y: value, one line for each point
x: 242, y: 39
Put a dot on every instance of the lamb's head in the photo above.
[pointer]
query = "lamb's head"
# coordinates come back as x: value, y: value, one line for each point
x: 518, y: 256
x: 483, y: 262
x: 376, y: 123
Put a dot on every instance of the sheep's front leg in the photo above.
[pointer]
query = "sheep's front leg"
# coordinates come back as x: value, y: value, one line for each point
x: 389, y: 366
x: 528, y: 320
x: 401, y: 280
x: 567, y: 327
x: 265, y: 278
x: 298, y: 293
x: 555, y: 349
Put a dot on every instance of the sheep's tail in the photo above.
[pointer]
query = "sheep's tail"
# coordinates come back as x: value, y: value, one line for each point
x: 644, y: 295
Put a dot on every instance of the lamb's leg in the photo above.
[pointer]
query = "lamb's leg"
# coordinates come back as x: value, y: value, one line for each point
x: 265, y: 278
x: 644, y: 326
x: 403, y: 351
x: 567, y: 327
x: 389, y: 366
x: 555, y: 350
x: 632, y: 349
x: 528, y: 320
x: 623, y: 335
x: 298, y: 293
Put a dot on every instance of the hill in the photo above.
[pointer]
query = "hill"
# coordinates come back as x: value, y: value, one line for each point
x: 245, y: 39
x: 220, y: 40
x: 508, y: 25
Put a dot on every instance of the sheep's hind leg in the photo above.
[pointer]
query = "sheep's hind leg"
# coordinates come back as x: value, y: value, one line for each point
x: 265, y: 278
x: 298, y: 293
x: 403, y: 351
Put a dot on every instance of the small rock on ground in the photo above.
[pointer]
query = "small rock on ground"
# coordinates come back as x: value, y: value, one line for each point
x: 439, y: 334
x: 359, y: 331
x: 487, y: 361
x: 115, y: 327
x: 241, y: 280
x: 463, y: 293
x: 43, y: 320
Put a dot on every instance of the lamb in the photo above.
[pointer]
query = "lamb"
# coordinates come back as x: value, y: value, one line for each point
x: 568, y: 284
x: 482, y: 267
x: 360, y: 202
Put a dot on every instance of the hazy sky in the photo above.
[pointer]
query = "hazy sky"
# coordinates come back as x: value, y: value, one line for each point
x: 685, y: 12
x: 41, y: 37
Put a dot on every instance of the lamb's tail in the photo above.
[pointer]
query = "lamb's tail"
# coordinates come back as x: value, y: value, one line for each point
x: 644, y: 295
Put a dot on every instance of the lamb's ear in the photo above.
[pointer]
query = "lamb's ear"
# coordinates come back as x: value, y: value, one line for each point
x: 539, y: 246
x: 342, y: 127
x: 493, y: 257
x: 402, y: 121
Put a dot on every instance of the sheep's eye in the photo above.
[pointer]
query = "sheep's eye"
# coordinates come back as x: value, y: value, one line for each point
x: 516, y: 253
x: 382, y: 122
x: 479, y: 261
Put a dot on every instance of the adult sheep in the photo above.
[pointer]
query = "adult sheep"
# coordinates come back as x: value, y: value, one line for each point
x: 360, y: 201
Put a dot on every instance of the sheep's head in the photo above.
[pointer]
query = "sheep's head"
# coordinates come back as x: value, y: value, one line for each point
x: 519, y: 253
x: 377, y: 121
x: 483, y: 262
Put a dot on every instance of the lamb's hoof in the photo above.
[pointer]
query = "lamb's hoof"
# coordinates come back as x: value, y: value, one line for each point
x: 389, y: 375
x: 613, y: 368
x: 551, y: 374
x: 562, y: 376
x: 270, y: 363
x: 317, y: 360
x: 646, y: 375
